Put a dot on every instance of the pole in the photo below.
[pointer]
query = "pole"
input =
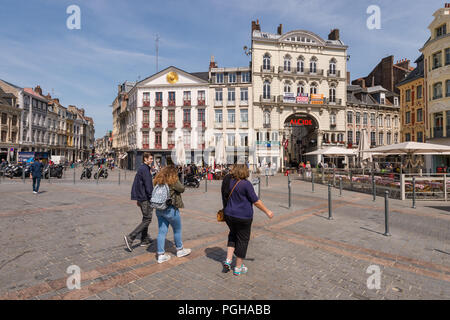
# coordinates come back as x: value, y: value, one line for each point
x: 386, y: 213
x: 414, y: 193
x: 330, y: 215
x: 259, y: 187
x: 119, y: 177
x: 289, y: 190
x: 267, y: 180
x: 312, y: 181
x: 373, y: 188
x: 73, y: 175
x: 340, y: 186
x: 206, y: 182
x: 23, y: 174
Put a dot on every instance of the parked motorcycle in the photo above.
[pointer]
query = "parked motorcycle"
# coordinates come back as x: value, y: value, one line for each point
x: 192, y: 181
x: 53, y: 171
x: 101, y: 173
x: 87, y: 172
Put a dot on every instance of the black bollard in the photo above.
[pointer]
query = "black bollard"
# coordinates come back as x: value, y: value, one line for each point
x: 23, y: 174
x: 386, y: 213
x: 206, y: 183
x: 414, y: 193
x: 259, y: 187
x: 119, y: 177
x: 312, y: 181
x: 73, y: 175
x: 330, y: 215
x: 374, y: 191
x: 289, y: 192
x: 267, y: 181
x: 340, y: 186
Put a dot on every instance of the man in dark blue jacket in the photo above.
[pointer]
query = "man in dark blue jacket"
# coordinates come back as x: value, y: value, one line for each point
x: 36, y: 174
x: 141, y: 191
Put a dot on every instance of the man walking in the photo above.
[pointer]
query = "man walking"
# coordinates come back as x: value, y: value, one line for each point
x: 141, y: 191
x: 36, y: 174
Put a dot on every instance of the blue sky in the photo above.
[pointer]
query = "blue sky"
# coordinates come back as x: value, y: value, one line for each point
x: 117, y: 39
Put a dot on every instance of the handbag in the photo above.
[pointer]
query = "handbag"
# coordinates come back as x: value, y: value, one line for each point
x: 221, y: 213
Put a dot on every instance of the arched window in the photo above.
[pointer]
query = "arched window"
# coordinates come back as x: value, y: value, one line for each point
x: 313, y: 88
x: 300, y: 64
x: 300, y: 88
x: 287, y: 87
x: 287, y: 63
x: 266, y: 117
x: 437, y: 90
x: 313, y: 65
x: 332, y: 94
x: 266, y: 62
x: 266, y: 90
x: 332, y: 70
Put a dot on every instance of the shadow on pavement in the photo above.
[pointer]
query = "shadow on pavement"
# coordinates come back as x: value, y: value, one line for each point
x: 439, y: 208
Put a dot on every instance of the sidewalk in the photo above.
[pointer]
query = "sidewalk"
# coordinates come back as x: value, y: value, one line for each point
x: 299, y: 254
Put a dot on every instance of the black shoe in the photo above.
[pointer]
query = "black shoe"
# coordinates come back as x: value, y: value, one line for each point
x: 146, y: 243
x: 128, y: 242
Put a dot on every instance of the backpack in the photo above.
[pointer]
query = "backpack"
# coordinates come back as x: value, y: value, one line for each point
x: 160, y: 195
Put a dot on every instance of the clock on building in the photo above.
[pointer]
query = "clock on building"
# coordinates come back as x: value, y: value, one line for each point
x: 172, y: 77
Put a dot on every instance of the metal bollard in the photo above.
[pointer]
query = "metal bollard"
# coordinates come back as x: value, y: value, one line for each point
x: 50, y: 175
x: 74, y: 175
x: 125, y: 174
x: 23, y: 175
x: 334, y: 177
x: 374, y: 191
x: 414, y: 193
x: 340, y: 186
x: 206, y: 182
x: 289, y: 192
x: 386, y: 213
x: 330, y: 215
x: 259, y: 187
x: 312, y: 181
x: 119, y: 177
x: 98, y: 175
x: 267, y: 181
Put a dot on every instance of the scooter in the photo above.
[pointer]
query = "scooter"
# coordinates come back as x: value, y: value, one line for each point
x: 87, y: 172
x: 192, y: 181
x: 53, y: 171
x: 101, y: 173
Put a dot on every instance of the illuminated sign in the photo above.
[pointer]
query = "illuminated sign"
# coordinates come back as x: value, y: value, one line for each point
x: 301, y: 122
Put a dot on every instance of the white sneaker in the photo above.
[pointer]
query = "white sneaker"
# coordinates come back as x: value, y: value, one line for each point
x: 163, y: 258
x: 183, y: 252
x: 34, y: 192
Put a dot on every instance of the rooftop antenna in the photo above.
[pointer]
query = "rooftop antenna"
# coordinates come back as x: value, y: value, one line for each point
x: 157, y: 49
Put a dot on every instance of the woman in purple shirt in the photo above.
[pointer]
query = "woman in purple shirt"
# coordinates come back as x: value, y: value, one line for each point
x: 239, y: 216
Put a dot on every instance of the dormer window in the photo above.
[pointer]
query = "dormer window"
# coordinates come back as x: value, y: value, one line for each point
x: 441, y: 30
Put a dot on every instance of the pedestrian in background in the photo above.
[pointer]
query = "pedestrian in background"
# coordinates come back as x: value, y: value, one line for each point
x: 239, y: 216
x: 141, y: 191
x: 36, y: 174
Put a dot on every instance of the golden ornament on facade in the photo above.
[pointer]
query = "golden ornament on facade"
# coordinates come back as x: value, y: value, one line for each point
x: 172, y: 77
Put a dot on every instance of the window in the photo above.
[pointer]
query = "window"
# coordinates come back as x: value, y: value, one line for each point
x: 350, y: 137
x: 231, y: 139
x: 372, y: 139
x: 287, y: 87
x: 274, y: 136
x: 187, y: 137
x: 232, y: 77
x: 201, y: 116
x: 332, y: 118
x: 4, y: 118
x: 287, y: 63
x: 187, y: 116
x: 350, y: 117
x: 332, y: 94
x: 170, y: 137
x: 388, y: 121
x: 172, y: 96
x: 218, y: 116
x: 380, y: 138
x: 372, y: 119
x: 187, y: 96
x: 266, y: 90
x: 219, y: 95
x: 219, y: 77
x: 201, y: 95
x: 420, y: 136
x: 244, y: 94
x: 380, y: 120
x: 419, y: 92
x: 440, y: 31
x: 171, y: 116
x: 333, y: 66
x: 266, y: 62
x: 300, y: 88
x: 408, y: 95
x: 146, y: 97
x: 407, y: 136
x: 231, y: 95
x: 312, y: 65
x: 245, y: 76
x: 145, y: 116
x: 407, y: 117
x: 437, y: 60
x: 358, y: 118
x: 365, y: 118
x: 300, y: 65
x: 395, y: 101
x: 396, y: 121
x: 158, y: 116
x: 419, y: 115
x: 447, y: 88
x: 158, y: 139
x: 145, y: 138
x: 244, y: 140
x: 244, y: 115
x: 437, y: 90
x: 447, y: 56
x: 313, y: 88
x: 231, y: 115
x: 388, y: 138
x: 358, y: 136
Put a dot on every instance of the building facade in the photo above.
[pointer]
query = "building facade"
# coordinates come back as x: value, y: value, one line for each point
x: 436, y: 52
x: 231, y: 116
x: 9, y: 126
x: 412, y: 105
x: 299, y: 94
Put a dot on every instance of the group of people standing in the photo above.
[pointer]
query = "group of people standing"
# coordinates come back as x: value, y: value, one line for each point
x: 238, y: 198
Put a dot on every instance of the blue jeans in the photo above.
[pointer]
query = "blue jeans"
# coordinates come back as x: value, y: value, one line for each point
x: 36, y: 184
x: 165, y: 217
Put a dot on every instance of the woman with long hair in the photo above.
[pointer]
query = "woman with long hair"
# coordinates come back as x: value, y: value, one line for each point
x: 171, y: 215
x: 239, y: 216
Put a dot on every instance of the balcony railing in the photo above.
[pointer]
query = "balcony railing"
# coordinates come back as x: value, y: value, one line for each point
x: 187, y: 103
x: 243, y: 124
x: 158, y: 103
x: 145, y: 146
x: 158, y: 124
x: 146, y: 103
x: 200, y: 102
x: 171, y: 145
x: 186, y: 124
x: 271, y: 69
x: 243, y: 102
x: 145, y: 125
x: 218, y: 125
x: 231, y: 102
x: 266, y: 125
x: 336, y: 73
x: 171, y: 124
x: 218, y: 103
x: 267, y: 98
x: 158, y: 146
x: 335, y: 101
x: 231, y: 125
x: 171, y: 103
x: 302, y: 71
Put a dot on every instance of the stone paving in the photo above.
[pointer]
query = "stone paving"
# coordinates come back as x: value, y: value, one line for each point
x: 299, y: 254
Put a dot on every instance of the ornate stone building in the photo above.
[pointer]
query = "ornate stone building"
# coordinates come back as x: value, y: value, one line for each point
x: 9, y: 126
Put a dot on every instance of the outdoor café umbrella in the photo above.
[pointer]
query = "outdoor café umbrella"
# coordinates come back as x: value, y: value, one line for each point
x: 180, y: 152
x: 364, y: 145
x: 221, y: 153
x: 333, y: 152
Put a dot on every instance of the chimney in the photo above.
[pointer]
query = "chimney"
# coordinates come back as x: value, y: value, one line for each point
x: 447, y: 5
x: 212, y: 64
x: 334, y: 34
x: 280, y: 29
x: 256, y: 26
x: 348, y: 77
x: 38, y: 90
x: 57, y: 100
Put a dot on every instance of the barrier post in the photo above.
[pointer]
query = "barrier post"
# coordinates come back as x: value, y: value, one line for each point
x: 330, y: 215
x: 386, y: 213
